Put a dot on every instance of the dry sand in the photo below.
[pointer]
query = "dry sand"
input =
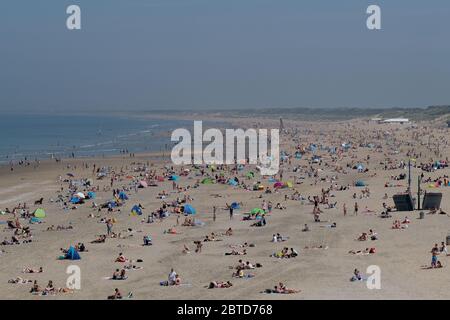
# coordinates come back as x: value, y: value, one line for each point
x: 318, y: 273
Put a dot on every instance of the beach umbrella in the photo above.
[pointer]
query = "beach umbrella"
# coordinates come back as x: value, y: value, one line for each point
x: 80, y: 195
x: 188, y: 209
x: 257, y: 211
x: 136, y: 210
x: 235, y: 205
x: 278, y: 184
x: 39, y: 213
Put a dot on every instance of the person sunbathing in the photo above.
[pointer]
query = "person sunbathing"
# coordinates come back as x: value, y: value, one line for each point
x: 186, y: 249
x: 316, y: 247
x: 147, y: 241
x: 244, y: 245
x: 32, y: 270
x: 171, y: 231
x: 236, y: 253
x: 49, y: 289
x: 396, y: 224
x: 280, y: 206
x: 19, y: 280
x: 116, y: 295
x: 229, y: 232
x: 406, y: 220
x: 356, y: 276
x: 199, y: 246
x: 293, y: 253
x: 119, y: 275
x: 35, y: 288
x: 367, y: 210
x: 220, y: 284
x: 366, y: 251
x: 283, y: 289
x: 101, y: 239
x: 121, y: 258
x: 362, y: 237
x: 240, y: 274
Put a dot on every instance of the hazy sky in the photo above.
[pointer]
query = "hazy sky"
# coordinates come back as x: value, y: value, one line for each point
x: 156, y: 54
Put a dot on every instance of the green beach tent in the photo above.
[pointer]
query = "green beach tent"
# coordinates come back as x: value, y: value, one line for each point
x: 257, y: 211
x: 207, y: 181
x: 39, y: 213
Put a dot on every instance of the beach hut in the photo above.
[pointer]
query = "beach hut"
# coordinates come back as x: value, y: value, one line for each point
x: 39, y: 213
x: 188, y: 209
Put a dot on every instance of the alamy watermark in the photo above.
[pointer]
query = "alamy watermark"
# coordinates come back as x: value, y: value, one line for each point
x: 74, y: 279
x: 189, y: 149
x: 73, y: 21
x: 374, y: 280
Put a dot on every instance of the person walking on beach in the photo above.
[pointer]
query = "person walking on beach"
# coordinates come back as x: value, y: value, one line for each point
x: 109, y: 226
x: 231, y: 212
x: 345, y: 209
x: 214, y: 214
x: 356, y: 209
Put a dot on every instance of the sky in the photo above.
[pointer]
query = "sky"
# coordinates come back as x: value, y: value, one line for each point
x: 218, y: 54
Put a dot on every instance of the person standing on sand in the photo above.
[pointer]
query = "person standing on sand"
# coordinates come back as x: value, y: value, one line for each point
x: 109, y: 226
x: 345, y: 209
x: 214, y: 214
x: 231, y: 212
x: 356, y: 209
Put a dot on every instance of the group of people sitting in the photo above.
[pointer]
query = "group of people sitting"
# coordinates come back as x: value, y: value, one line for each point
x: 401, y: 225
x: 372, y: 235
x: 285, y: 253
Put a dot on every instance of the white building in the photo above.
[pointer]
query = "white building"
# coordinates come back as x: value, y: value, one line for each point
x: 396, y: 120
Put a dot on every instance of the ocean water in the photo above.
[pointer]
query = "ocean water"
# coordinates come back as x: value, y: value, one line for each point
x: 42, y: 136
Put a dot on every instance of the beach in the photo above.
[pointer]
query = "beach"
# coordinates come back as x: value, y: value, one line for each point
x: 321, y: 158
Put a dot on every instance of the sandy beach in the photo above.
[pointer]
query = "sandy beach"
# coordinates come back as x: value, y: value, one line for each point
x: 323, y: 267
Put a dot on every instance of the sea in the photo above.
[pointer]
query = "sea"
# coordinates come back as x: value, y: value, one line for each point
x: 61, y: 136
